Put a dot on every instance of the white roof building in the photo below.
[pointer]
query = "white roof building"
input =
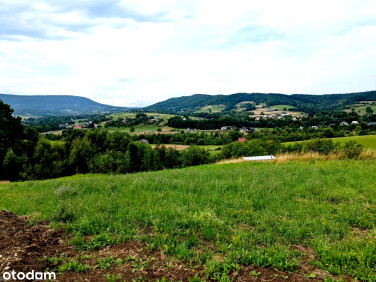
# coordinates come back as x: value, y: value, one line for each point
x: 259, y: 158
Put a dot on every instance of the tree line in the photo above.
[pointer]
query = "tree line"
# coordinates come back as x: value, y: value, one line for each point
x: 26, y: 155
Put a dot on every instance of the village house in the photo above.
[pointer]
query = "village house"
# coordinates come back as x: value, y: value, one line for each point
x: 242, y: 139
x: 66, y: 126
x: 224, y: 128
x: 244, y: 129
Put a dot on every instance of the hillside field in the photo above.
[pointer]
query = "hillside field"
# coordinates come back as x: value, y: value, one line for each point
x: 361, y: 107
x: 308, y: 218
x: 117, y: 116
x: 211, y: 109
x: 368, y: 141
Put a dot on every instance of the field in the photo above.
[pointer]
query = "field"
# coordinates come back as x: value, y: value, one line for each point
x: 281, y: 107
x: 241, y: 106
x: 142, y: 128
x: 368, y: 141
x: 296, y: 220
x: 275, y: 110
x: 211, y: 109
x: 133, y: 115
x: 360, y: 108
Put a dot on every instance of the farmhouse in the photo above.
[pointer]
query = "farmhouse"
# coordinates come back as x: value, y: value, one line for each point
x: 244, y: 129
x: 224, y: 128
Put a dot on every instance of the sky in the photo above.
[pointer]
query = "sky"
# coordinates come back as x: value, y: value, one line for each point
x: 138, y: 52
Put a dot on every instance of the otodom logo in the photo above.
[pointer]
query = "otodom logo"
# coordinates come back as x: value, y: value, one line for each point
x: 32, y: 275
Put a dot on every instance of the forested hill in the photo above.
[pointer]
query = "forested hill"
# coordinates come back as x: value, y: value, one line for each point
x: 42, y: 105
x: 307, y: 103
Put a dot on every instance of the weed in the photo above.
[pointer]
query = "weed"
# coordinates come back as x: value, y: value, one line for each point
x: 254, y: 273
x: 105, y: 263
x: 73, y: 265
x: 139, y: 265
x: 113, y: 278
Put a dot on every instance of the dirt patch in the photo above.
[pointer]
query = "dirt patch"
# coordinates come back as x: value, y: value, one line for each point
x: 25, y: 247
x: 22, y: 244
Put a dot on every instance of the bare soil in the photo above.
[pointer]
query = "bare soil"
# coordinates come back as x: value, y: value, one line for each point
x: 25, y: 247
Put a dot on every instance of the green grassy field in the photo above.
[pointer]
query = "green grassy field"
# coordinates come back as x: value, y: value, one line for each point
x: 141, y: 128
x: 361, y: 107
x: 221, y: 216
x: 368, y: 141
x: 133, y: 115
x: 137, y: 129
x: 241, y: 106
x: 281, y: 107
x: 212, y: 108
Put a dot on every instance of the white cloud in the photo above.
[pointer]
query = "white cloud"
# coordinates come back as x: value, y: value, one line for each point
x: 134, y: 53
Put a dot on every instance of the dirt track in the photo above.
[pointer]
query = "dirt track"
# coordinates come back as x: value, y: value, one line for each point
x: 23, y: 247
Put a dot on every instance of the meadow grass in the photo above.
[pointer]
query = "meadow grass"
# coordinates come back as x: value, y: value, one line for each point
x: 220, y: 216
x: 281, y: 107
x: 213, y: 108
x: 141, y: 128
x: 361, y: 108
x: 368, y: 141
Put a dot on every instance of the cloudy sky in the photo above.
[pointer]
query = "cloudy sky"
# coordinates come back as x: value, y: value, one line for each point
x: 137, y: 52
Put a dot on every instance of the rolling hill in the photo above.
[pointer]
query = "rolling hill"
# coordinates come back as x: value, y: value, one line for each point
x: 304, y: 102
x: 42, y: 105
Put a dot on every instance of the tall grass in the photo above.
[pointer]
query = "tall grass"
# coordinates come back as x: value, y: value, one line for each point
x: 367, y: 154
x: 221, y: 216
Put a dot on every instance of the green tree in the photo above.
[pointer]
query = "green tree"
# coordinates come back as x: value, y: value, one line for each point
x: 12, y: 165
x: 369, y: 110
x: 11, y: 135
x: 194, y: 155
x: 49, y: 159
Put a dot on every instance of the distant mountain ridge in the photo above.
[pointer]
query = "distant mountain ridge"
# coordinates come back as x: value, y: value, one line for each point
x: 42, y: 105
x: 306, y: 102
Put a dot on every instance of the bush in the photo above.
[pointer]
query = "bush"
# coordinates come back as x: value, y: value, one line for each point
x: 352, y: 149
x: 195, y: 156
